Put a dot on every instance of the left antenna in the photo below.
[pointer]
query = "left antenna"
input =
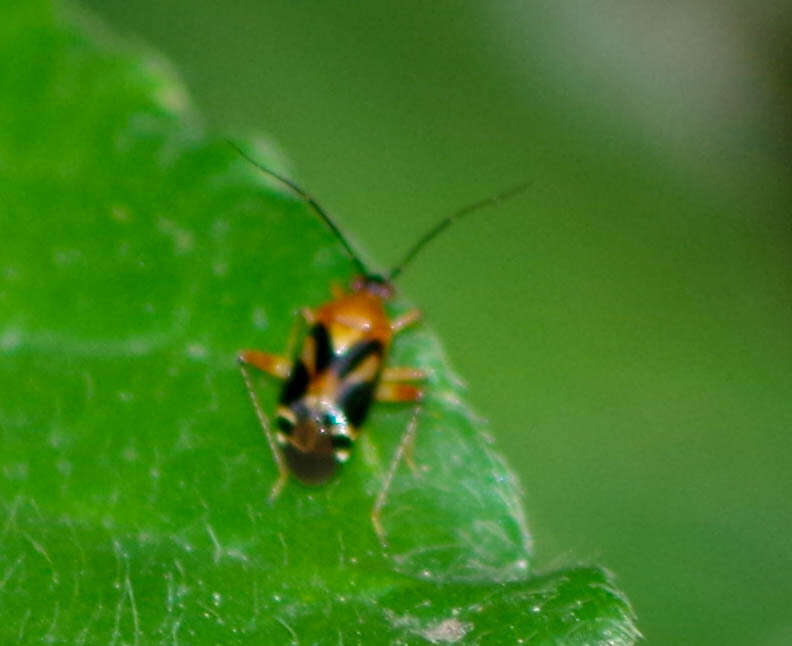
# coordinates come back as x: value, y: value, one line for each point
x: 311, y: 202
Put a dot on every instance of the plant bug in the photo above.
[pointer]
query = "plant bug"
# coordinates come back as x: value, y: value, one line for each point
x: 339, y: 370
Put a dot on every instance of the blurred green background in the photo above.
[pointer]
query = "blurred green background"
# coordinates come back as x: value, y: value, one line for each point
x: 626, y: 324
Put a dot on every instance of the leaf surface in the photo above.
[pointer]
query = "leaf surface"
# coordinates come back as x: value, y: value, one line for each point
x: 140, y: 254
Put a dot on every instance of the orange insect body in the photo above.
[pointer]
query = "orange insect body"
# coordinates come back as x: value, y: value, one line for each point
x: 354, y: 317
x: 330, y: 385
x: 340, y: 370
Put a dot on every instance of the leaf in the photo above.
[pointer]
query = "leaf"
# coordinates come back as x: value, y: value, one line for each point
x: 140, y: 254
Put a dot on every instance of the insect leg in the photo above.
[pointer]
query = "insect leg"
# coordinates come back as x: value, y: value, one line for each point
x: 283, y: 470
x: 273, y: 364
x: 405, y: 320
x: 405, y: 447
x: 403, y: 373
x: 395, y: 392
x: 278, y: 365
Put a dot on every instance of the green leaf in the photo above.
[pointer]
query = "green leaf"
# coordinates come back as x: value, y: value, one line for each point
x: 139, y: 255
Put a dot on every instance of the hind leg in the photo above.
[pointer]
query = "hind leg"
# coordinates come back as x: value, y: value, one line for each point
x: 404, y: 450
x: 280, y: 462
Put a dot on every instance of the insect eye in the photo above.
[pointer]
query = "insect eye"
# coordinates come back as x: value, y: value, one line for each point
x: 329, y: 420
x: 285, y: 425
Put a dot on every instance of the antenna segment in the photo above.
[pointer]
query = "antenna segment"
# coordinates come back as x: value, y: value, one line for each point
x: 446, y: 222
x: 430, y: 235
x: 311, y: 202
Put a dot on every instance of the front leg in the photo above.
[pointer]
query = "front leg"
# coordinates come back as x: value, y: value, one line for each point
x: 278, y: 365
x: 273, y: 364
x: 405, y: 320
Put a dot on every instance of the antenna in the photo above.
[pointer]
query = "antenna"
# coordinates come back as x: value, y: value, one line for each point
x: 447, y: 221
x: 311, y: 202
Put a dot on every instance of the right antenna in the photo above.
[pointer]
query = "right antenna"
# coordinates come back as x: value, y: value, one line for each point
x: 446, y: 222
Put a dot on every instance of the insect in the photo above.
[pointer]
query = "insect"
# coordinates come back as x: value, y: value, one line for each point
x: 340, y: 368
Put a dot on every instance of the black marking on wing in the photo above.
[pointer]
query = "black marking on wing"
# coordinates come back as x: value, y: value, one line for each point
x: 286, y: 426
x: 341, y: 441
x: 324, y: 352
x: 296, y: 385
x: 352, y: 357
x: 355, y: 401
